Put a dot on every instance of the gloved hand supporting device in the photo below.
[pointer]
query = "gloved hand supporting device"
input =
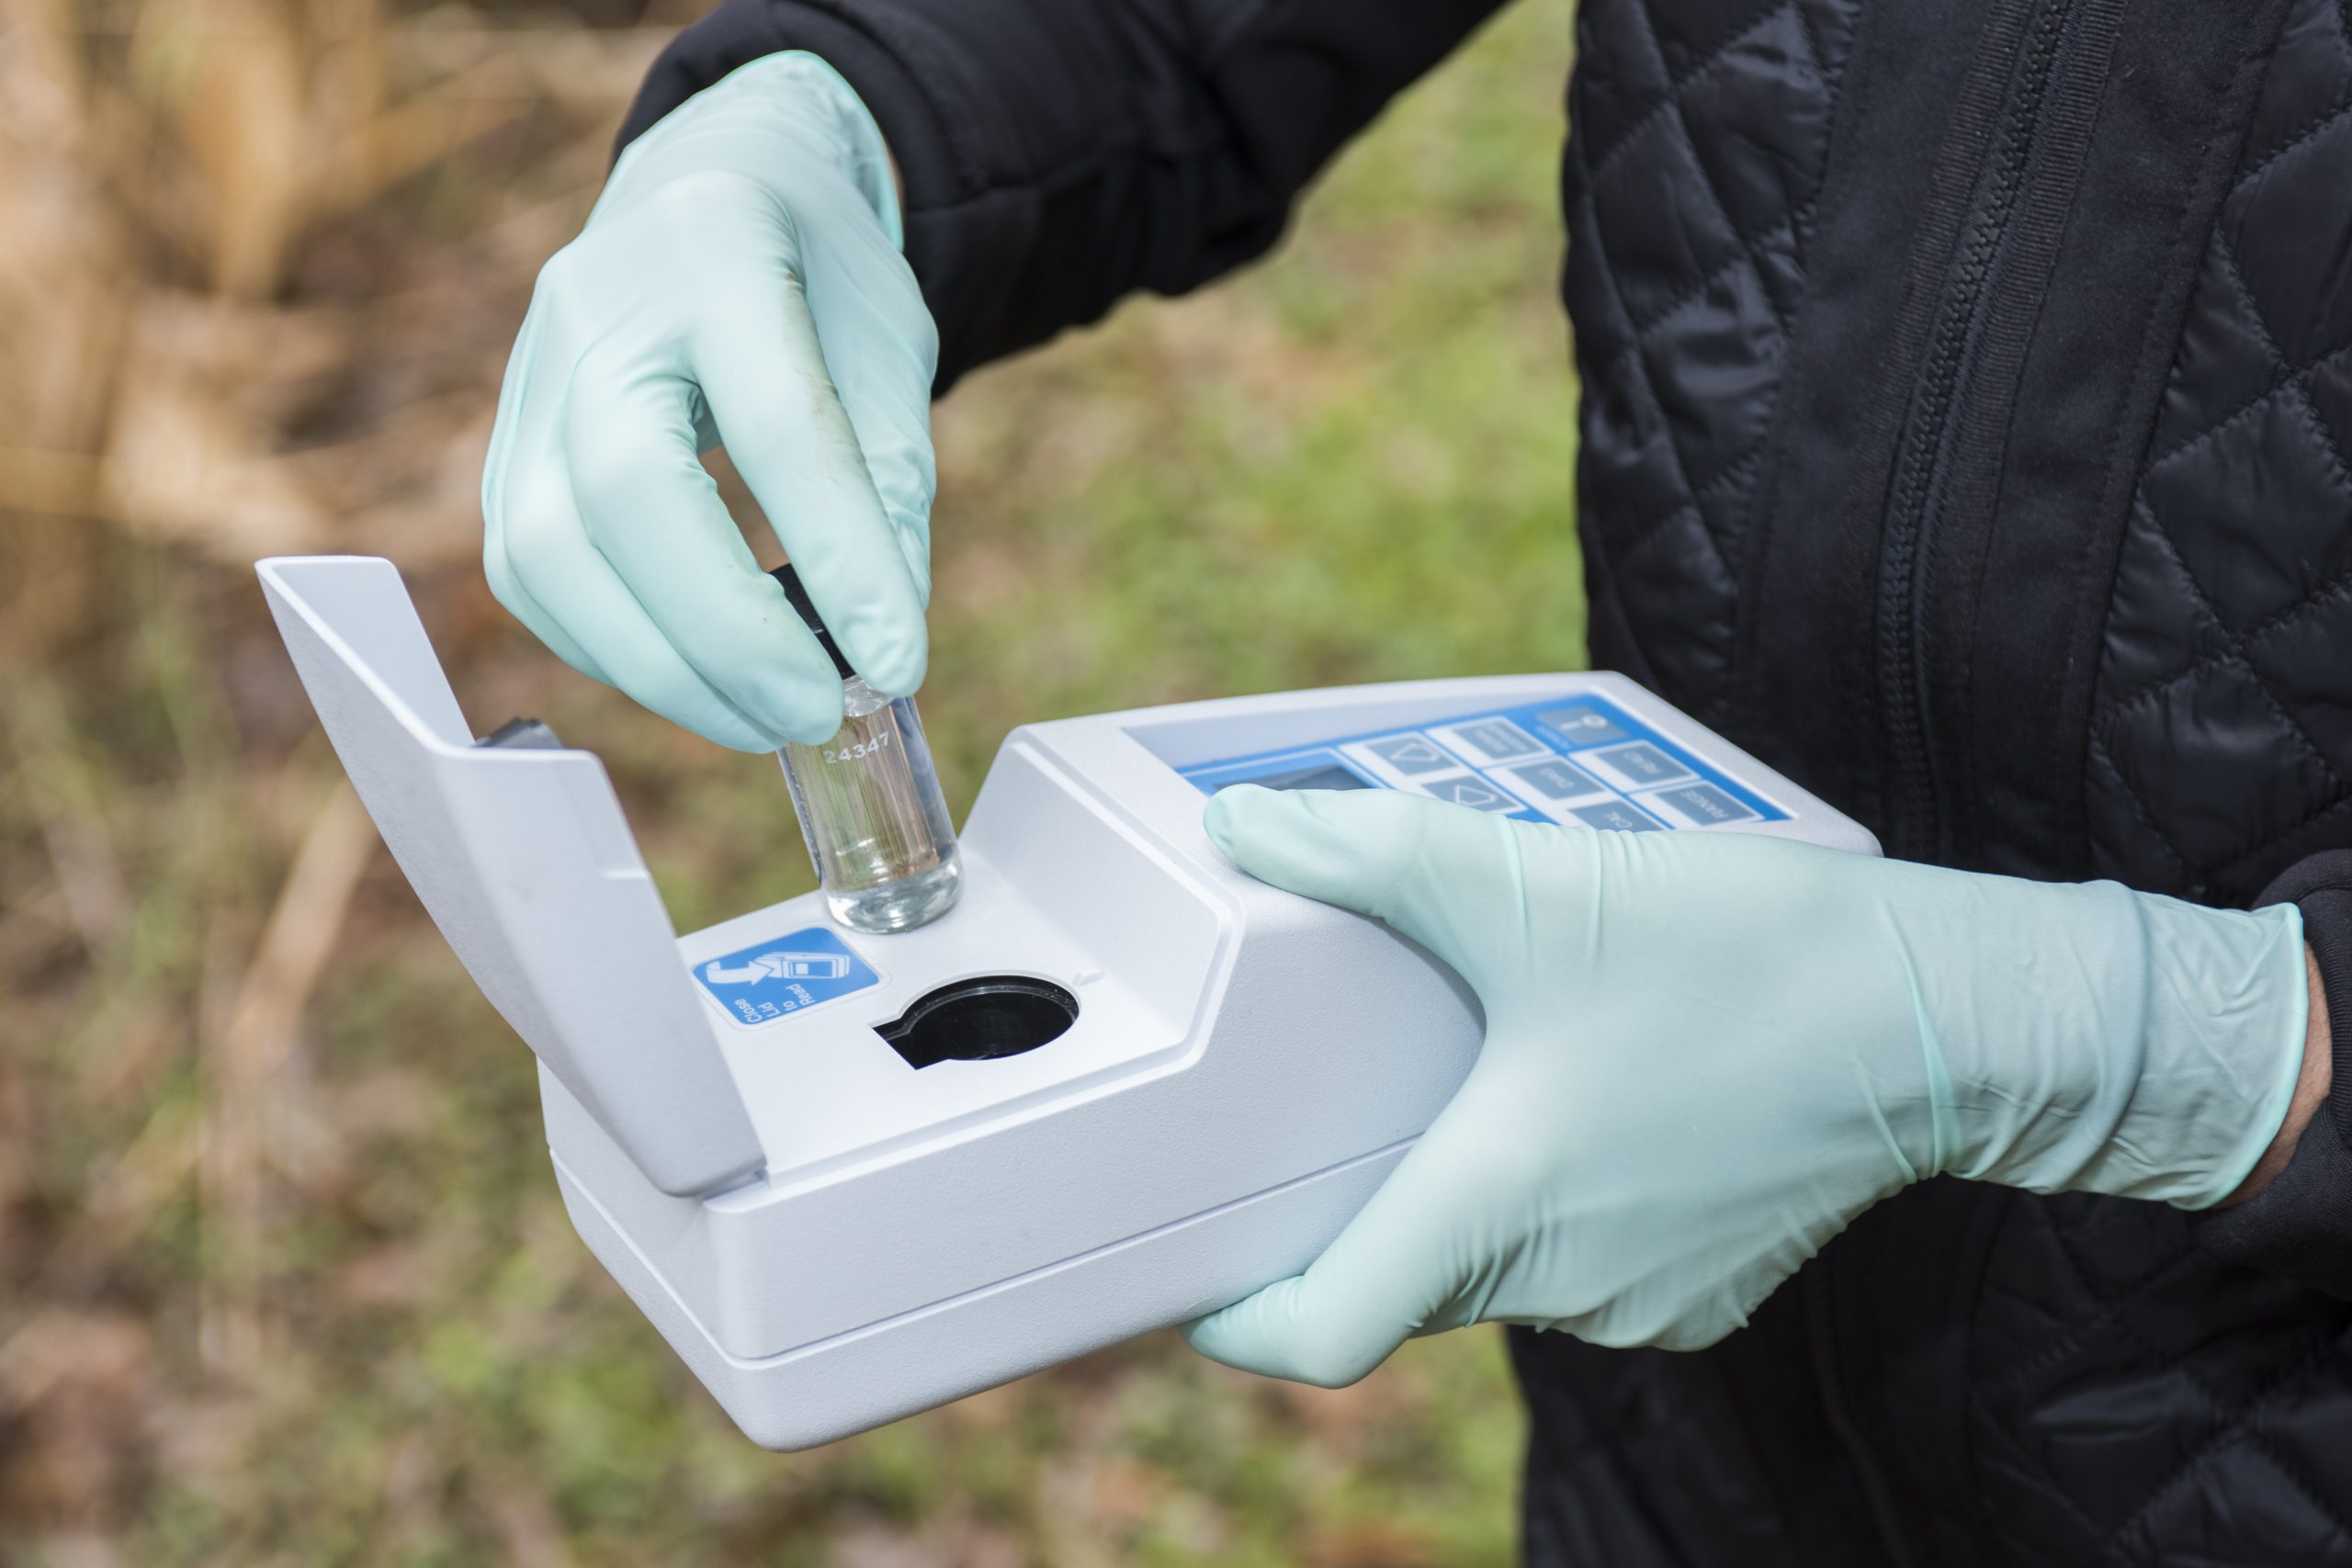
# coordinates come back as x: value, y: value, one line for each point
x: 740, y: 281
x: 1706, y: 1054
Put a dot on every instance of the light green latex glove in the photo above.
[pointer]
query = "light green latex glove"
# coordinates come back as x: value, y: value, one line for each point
x: 1706, y: 1053
x: 738, y: 282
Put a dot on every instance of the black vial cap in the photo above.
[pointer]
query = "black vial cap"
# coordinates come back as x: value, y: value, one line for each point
x: 808, y: 612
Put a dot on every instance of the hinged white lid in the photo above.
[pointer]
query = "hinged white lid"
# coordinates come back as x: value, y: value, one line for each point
x: 524, y: 860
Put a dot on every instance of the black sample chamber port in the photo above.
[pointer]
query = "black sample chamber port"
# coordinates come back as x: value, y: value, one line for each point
x: 981, y: 1019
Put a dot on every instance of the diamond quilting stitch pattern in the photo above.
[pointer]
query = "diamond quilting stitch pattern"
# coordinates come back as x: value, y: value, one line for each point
x: 2134, y: 728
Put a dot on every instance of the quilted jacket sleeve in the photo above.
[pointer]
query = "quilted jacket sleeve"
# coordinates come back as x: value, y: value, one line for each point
x: 1057, y: 154
x: 2300, y: 1225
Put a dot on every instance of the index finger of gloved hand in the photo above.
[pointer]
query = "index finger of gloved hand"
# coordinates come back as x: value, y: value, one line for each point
x: 1448, y: 877
x: 541, y: 565
x: 551, y: 559
x: 508, y: 589
x: 782, y: 422
x: 1392, y: 1270
x: 654, y: 513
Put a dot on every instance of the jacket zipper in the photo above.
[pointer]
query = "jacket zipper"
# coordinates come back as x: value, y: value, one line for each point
x: 1821, y: 1328
x: 1939, y: 396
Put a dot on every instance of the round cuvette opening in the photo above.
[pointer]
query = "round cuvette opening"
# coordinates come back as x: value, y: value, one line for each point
x: 982, y: 1019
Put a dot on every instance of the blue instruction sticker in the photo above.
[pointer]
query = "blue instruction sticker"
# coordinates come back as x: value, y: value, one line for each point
x: 782, y: 975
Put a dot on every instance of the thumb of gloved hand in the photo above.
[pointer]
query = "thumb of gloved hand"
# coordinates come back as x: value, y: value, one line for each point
x: 1406, y: 1264
x: 1424, y: 867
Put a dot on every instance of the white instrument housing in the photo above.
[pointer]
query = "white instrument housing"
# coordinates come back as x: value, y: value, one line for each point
x: 833, y: 1236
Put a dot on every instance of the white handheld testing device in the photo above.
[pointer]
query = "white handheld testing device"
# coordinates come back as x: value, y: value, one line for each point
x: 852, y: 1176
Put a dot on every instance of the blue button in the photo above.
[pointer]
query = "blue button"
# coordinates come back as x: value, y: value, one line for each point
x: 1410, y: 753
x: 1583, y: 725
x: 1645, y: 764
x: 1475, y: 793
x: 1557, y: 781
x: 1616, y: 817
x: 1498, y: 739
x: 785, y: 975
x: 1705, y: 803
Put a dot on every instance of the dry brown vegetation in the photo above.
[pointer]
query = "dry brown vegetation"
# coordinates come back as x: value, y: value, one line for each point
x: 241, y: 311
x: 282, y: 1276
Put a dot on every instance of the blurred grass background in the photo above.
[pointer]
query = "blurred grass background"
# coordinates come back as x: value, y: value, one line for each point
x: 284, y: 1279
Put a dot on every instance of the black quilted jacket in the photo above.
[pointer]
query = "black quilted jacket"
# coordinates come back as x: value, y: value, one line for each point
x: 1967, y: 390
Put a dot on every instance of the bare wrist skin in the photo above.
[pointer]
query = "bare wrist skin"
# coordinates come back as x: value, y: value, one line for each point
x: 2311, y: 1090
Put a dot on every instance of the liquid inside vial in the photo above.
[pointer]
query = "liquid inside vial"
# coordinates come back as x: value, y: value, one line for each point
x: 872, y: 812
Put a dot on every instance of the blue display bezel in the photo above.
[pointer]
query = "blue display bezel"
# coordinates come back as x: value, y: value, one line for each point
x: 1549, y: 723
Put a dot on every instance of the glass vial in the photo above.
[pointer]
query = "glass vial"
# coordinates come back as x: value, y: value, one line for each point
x: 869, y: 805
